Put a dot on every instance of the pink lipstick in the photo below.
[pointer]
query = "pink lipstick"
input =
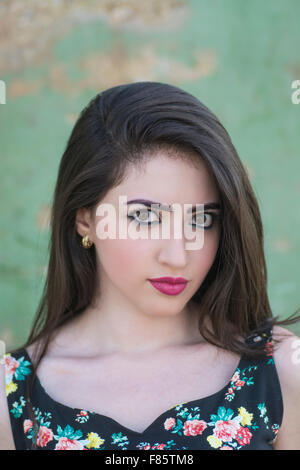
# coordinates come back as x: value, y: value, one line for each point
x: 169, y: 285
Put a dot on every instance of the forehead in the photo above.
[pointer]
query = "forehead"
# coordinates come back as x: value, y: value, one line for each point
x: 169, y: 178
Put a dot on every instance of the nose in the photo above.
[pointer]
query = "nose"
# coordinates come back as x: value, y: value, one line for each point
x: 173, y: 253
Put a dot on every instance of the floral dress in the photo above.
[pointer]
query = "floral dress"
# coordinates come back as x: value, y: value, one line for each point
x: 245, y: 414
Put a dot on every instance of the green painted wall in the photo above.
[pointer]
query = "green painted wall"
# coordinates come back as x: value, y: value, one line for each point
x: 238, y: 57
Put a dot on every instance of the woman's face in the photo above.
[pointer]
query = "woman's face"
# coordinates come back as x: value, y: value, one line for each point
x: 125, y: 265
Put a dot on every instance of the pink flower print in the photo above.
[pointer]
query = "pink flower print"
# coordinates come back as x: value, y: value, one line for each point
x: 44, y: 436
x: 146, y: 447
x: 68, y: 444
x: 240, y: 383
x: 226, y: 448
x: 194, y: 427
x: 243, y: 436
x: 169, y: 423
x: 159, y: 446
x: 27, y: 425
x: 269, y: 348
x: 235, y: 377
x: 11, y: 364
x: 226, y: 430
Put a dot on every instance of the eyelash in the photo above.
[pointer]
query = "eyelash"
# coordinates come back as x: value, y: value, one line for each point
x: 132, y: 217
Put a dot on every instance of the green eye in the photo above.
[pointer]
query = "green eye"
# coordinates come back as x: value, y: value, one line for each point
x: 202, y: 217
x: 141, y: 217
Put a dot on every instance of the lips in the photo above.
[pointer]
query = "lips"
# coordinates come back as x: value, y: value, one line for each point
x: 169, y: 285
x: 170, y: 280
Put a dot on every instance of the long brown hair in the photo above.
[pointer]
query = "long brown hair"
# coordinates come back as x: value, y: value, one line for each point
x: 115, y: 130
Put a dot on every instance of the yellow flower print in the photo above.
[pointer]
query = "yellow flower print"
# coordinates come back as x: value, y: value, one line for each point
x: 95, y: 440
x: 246, y: 417
x: 10, y: 387
x: 214, y: 441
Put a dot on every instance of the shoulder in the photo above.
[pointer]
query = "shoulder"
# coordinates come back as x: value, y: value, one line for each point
x: 287, y: 357
x: 287, y: 362
x: 6, y: 437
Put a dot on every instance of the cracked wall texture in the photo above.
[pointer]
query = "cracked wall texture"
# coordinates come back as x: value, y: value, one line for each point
x: 239, y: 58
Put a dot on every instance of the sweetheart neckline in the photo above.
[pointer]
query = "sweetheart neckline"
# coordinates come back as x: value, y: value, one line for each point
x: 112, y: 420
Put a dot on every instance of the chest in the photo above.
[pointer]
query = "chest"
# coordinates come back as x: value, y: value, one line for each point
x: 134, y: 393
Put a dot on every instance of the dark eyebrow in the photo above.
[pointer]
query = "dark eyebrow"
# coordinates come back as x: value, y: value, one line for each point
x: 166, y: 207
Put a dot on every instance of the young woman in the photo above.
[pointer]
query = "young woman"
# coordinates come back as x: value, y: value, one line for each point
x: 117, y: 359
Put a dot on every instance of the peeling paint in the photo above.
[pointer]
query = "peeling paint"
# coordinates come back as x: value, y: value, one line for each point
x: 100, y: 71
x: 39, y: 24
x: 43, y: 217
x: 282, y: 245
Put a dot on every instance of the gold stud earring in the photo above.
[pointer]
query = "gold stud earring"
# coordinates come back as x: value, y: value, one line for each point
x: 86, y: 243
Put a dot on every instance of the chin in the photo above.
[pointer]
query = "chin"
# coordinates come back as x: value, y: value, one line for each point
x: 160, y: 311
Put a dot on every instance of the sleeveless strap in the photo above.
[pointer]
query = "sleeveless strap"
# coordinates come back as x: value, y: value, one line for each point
x: 268, y: 387
x: 254, y: 392
x: 263, y: 334
x: 17, y: 370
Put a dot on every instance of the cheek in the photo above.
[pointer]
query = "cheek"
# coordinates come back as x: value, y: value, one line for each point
x: 204, y: 258
x: 119, y: 257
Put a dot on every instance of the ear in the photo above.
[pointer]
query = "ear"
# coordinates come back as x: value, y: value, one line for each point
x: 83, y: 222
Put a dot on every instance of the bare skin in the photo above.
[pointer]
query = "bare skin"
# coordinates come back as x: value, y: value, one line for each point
x: 134, y: 352
x: 133, y: 388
